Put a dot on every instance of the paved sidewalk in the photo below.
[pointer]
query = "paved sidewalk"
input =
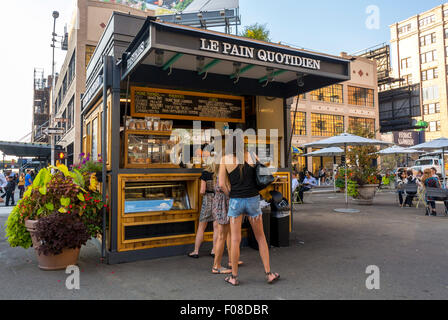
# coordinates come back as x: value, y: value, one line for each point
x: 327, y: 259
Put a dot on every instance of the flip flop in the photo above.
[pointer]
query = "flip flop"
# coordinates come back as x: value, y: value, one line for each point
x: 194, y: 256
x: 221, y: 270
x: 237, y: 282
x: 277, y: 276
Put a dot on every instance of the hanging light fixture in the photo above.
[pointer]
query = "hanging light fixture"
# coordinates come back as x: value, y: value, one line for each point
x: 200, y: 63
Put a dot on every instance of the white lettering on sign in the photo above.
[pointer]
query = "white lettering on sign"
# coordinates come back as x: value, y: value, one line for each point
x: 261, y: 54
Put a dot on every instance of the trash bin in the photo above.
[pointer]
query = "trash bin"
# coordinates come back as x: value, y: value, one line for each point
x: 279, y: 228
x: 266, y: 227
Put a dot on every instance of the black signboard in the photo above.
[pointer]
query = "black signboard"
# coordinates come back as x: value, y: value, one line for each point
x: 173, y: 104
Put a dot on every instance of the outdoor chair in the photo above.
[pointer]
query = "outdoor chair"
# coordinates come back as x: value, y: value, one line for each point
x: 438, y: 195
x: 409, y: 190
x: 420, y: 196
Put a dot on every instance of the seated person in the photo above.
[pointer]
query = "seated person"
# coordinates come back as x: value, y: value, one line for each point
x: 430, y: 180
x: 410, y: 180
x: 307, y: 184
x: 294, y: 182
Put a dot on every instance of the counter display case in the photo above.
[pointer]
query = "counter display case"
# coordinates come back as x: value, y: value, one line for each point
x: 148, y: 149
x: 158, y: 196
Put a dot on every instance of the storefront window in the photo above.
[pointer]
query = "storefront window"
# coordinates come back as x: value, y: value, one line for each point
x: 360, y: 96
x: 328, y: 94
x: 326, y: 125
x: 300, y: 124
x: 365, y: 123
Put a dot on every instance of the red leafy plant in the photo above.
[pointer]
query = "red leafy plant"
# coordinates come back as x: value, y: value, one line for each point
x: 60, y: 231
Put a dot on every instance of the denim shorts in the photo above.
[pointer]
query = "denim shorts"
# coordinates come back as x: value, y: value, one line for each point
x: 249, y: 206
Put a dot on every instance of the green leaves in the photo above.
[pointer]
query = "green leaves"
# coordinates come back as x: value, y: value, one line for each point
x: 65, y: 201
x: 16, y: 233
x: 81, y: 197
x: 49, y: 206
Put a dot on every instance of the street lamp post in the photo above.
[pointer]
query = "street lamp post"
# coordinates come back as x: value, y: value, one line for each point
x: 55, y: 16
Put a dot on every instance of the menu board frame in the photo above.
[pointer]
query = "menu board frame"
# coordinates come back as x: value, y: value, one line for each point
x: 189, y: 93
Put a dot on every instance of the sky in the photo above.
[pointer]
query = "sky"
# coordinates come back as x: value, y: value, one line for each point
x: 322, y: 25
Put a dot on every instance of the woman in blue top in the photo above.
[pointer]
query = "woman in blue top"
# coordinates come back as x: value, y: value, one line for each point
x: 430, y: 180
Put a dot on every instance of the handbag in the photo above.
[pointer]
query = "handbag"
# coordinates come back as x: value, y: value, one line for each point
x: 262, y: 180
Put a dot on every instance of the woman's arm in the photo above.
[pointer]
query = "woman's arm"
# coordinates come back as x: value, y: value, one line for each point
x: 222, y: 175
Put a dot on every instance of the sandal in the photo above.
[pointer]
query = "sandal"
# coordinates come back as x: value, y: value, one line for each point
x: 212, y: 254
x: 221, y: 270
x: 236, y: 283
x: 276, y: 277
x: 193, y: 255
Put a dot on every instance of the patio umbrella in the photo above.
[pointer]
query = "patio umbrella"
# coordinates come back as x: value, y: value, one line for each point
x: 344, y: 140
x: 295, y: 150
x: 441, y: 143
x: 395, y: 150
x: 326, y: 152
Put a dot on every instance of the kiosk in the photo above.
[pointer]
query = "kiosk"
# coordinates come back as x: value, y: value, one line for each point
x: 169, y: 78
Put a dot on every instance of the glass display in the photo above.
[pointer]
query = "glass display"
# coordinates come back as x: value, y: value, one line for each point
x: 150, y: 149
x: 155, y: 196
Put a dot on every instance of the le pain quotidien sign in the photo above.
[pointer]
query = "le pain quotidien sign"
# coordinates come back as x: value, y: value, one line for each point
x: 258, y: 54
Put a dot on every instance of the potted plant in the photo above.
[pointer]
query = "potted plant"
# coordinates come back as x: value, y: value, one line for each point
x: 363, y: 178
x: 56, y: 191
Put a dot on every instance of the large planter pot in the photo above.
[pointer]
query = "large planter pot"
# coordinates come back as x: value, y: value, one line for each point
x: 51, y: 262
x: 366, y: 193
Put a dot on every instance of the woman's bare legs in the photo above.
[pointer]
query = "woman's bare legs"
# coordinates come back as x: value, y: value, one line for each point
x: 199, y: 237
x: 223, y: 232
x: 235, y: 233
x: 257, y: 227
x: 215, y: 236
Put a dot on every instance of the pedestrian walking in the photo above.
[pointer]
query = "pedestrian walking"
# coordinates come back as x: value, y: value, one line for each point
x: 28, y: 179
x: 244, y: 199
x: 207, y: 191
x: 21, y: 184
x: 10, y: 188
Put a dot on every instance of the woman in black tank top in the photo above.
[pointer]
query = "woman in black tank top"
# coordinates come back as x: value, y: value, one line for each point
x: 244, y: 200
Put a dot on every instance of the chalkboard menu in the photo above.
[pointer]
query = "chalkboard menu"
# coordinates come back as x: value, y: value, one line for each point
x: 172, y: 104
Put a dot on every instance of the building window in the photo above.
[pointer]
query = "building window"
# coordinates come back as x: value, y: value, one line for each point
x: 428, y: 39
x: 431, y: 93
x: 434, y: 126
x: 302, y: 96
x: 406, y: 63
x: 404, y: 29
x: 431, y: 108
x: 407, y: 79
x: 71, y: 69
x: 360, y: 96
x: 59, y: 98
x: 365, y: 123
x: 300, y: 126
x: 427, y: 20
x: 328, y: 94
x: 326, y: 125
x: 429, y: 74
x: 89, y: 53
x: 70, y: 113
x: 429, y: 56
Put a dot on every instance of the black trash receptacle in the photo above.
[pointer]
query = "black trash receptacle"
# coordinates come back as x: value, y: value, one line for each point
x: 280, y: 228
x: 266, y: 227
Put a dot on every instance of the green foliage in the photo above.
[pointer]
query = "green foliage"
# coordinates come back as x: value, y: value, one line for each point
x: 181, y: 6
x: 352, y: 188
x: 62, y: 192
x: 256, y: 31
x: 16, y: 233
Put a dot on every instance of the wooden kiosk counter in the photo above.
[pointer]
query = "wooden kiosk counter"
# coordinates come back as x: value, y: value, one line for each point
x: 141, y: 110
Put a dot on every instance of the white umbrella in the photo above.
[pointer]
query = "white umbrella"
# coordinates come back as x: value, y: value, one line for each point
x: 441, y: 143
x: 326, y: 152
x: 398, y: 150
x: 345, y: 139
